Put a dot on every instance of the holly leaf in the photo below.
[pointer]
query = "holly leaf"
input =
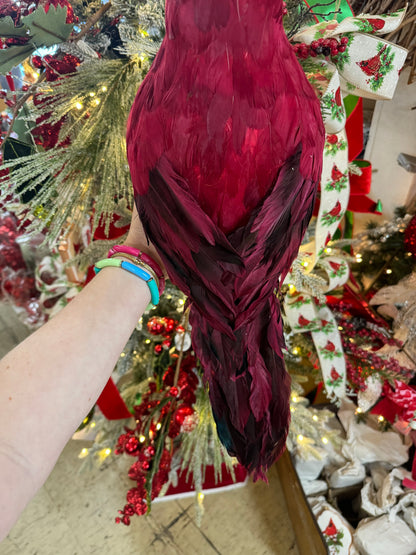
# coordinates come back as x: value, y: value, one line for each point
x: 48, y: 28
x: 8, y: 29
x: 13, y: 56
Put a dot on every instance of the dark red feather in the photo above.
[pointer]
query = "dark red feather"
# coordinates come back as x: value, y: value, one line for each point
x: 225, y: 142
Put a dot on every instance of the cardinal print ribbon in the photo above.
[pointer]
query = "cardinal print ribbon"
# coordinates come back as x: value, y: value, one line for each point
x: 306, y: 313
x: 368, y: 66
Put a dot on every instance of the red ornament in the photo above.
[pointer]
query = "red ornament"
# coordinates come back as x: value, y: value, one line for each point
x: 173, y: 391
x: 158, y: 349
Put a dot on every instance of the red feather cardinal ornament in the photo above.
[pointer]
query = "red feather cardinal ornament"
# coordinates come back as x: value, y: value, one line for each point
x: 225, y: 142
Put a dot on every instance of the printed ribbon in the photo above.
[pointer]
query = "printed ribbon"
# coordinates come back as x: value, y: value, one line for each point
x: 369, y: 67
x: 305, y: 313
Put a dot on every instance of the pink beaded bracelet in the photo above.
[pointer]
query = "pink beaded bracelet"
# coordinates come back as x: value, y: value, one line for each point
x: 124, y: 249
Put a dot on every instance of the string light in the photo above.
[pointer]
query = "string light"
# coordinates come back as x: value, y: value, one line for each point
x: 292, y: 289
x: 123, y: 355
x: 324, y: 440
x: 78, y: 106
x: 389, y: 271
x: 300, y: 438
x: 104, y: 89
x: 107, y: 452
x: 97, y: 101
x: 295, y: 351
x: 83, y: 454
x: 158, y: 426
x: 92, y: 93
x: 381, y: 418
x: 142, y: 439
x: 315, y: 418
x: 358, y: 411
x: 147, y: 341
x: 328, y: 250
x: 201, y: 496
x: 181, y: 302
x: 93, y: 424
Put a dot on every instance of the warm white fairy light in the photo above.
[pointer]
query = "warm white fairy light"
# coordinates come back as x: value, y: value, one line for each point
x: 83, y: 453
x: 142, y: 439
x: 78, y: 106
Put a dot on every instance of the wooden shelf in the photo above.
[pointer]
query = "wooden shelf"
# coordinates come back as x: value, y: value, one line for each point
x: 308, y: 535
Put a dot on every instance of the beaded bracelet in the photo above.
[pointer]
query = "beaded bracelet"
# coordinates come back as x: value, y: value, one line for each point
x: 133, y: 269
x: 141, y: 257
x: 138, y: 263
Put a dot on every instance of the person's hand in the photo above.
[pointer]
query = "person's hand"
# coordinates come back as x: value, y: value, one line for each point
x: 136, y: 238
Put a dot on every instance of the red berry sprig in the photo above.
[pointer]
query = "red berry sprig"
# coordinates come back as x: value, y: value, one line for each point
x: 321, y: 47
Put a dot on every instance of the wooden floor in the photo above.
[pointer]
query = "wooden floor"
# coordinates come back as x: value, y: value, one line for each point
x: 73, y: 514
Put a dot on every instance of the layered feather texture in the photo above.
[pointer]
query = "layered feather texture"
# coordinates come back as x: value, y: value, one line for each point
x: 225, y: 142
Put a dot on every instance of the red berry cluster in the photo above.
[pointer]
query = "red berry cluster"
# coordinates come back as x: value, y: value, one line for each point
x: 321, y: 47
x: 162, y: 414
x: 164, y: 327
x: 361, y: 361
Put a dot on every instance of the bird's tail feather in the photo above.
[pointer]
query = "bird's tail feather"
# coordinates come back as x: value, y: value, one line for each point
x: 231, y: 281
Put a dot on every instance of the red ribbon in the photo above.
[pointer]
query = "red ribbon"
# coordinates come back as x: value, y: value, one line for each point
x: 111, y: 402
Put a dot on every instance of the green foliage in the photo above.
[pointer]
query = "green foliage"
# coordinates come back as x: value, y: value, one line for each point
x: 92, y: 106
x: 383, y: 258
x: 42, y: 28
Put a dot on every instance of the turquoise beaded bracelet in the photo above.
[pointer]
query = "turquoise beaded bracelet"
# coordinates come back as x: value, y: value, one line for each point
x: 133, y: 269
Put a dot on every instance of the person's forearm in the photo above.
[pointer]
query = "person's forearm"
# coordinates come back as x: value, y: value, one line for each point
x: 49, y: 382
